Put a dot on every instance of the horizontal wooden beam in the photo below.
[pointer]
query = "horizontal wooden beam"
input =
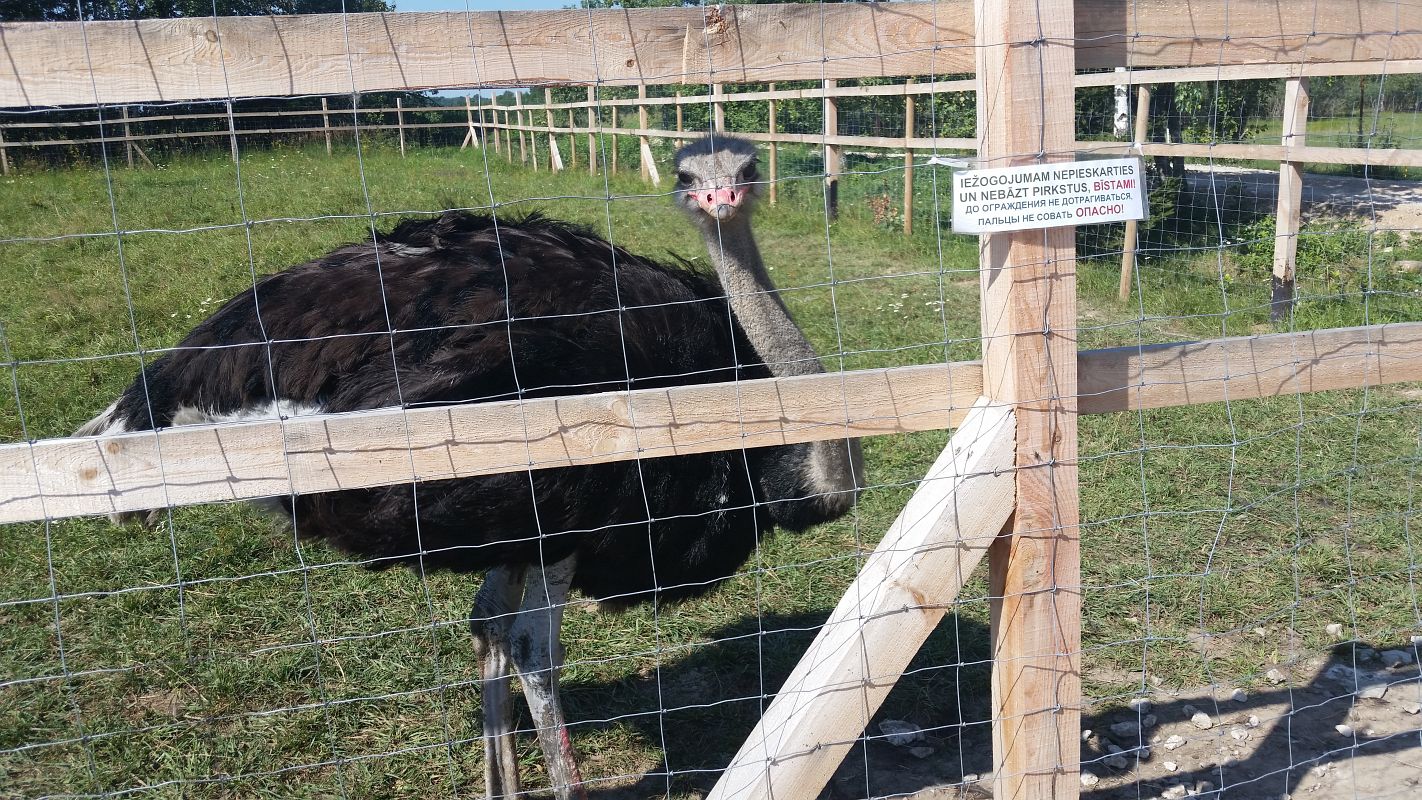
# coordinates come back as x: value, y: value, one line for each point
x: 57, y: 478
x: 60, y: 63
x: 1301, y: 154
x: 187, y: 59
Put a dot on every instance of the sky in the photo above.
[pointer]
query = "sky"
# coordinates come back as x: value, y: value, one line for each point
x: 478, y: 5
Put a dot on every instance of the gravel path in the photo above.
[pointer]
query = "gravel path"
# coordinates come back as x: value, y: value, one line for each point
x: 1396, y: 204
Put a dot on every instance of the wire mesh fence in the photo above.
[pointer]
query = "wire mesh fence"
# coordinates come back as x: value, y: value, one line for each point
x: 1251, y: 619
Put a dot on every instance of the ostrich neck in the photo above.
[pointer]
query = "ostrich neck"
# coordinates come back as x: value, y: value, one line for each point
x: 834, y: 469
x: 755, y: 302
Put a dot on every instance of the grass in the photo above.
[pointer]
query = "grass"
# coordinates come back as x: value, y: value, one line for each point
x: 1201, y: 524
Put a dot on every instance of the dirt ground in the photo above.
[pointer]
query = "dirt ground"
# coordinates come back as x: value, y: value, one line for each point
x: 1346, y: 726
x: 1391, y: 204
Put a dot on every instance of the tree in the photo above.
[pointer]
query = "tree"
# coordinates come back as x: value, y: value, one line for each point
x: 69, y: 10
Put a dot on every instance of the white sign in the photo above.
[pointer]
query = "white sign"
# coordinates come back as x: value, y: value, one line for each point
x: 1048, y: 195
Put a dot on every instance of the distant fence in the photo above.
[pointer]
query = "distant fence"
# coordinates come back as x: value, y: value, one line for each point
x: 514, y: 131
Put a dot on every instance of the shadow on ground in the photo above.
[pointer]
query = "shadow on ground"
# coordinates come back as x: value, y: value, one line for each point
x: 701, y: 706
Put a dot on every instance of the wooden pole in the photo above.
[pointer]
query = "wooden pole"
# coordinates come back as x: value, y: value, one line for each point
x: 1128, y: 245
x: 518, y: 120
x: 1025, y: 62
x: 472, y: 137
x: 1287, y: 216
x: 4, y: 153
x: 831, y: 152
x: 643, y: 151
x: 555, y: 158
x: 508, y: 136
x: 532, y: 140
x: 680, y: 142
x: 326, y: 123
x: 908, y: 162
x: 127, y: 136
x: 572, y: 140
x: 400, y: 123
x: 612, y: 167
x: 592, y: 131
x: 718, y: 108
x: 774, y: 186
x: 231, y: 132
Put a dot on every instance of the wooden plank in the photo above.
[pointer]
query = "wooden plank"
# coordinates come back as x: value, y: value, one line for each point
x: 1028, y: 299
x: 1239, y: 368
x: 205, y: 57
x: 1248, y: 72
x: 1302, y: 154
x: 1128, y: 244
x: 328, y: 452
x: 718, y: 108
x: 185, y: 59
x: 1289, y: 212
x: 900, y: 595
x: 237, y: 461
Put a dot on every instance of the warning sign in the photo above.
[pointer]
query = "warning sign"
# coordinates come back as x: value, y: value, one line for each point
x: 1048, y: 195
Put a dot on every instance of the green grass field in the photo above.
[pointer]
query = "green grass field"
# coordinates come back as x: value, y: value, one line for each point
x: 1202, y: 524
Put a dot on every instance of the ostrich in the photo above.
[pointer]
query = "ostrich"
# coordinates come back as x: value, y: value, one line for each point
x: 467, y: 308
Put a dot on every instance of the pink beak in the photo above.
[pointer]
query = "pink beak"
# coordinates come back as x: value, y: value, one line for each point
x: 720, y: 202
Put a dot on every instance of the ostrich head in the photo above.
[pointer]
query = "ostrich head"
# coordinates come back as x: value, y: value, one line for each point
x: 716, y: 179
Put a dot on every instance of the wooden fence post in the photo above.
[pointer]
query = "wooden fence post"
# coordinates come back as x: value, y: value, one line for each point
x: 522, y: 141
x: 831, y: 152
x: 4, y: 153
x: 612, y: 167
x: 232, y: 132
x: 773, y: 154
x: 1025, y: 63
x: 326, y: 123
x: 644, y: 144
x: 718, y: 108
x: 508, y: 137
x: 572, y: 139
x: 400, y: 124
x: 532, y: 140
x: 555, y: 158
x: 1286, y: 222
x: 680, y: 142
x: 127, y: 136
x: 592, y: 131
x: 908, y: 161
x: 1128, y: 244
x: 471, y: 137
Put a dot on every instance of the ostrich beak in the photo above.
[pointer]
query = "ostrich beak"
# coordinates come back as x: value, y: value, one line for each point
x: 720, y: 202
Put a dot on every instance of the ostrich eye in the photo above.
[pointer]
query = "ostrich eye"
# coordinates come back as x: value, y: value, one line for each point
x: 684, y: 178
x: 749, y: 173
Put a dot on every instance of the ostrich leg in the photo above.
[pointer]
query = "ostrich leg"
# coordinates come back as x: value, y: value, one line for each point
x: 491, y: 621
x: 537, y: 656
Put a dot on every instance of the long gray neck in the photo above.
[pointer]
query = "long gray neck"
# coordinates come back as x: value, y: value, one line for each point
x: 756, y: 303
x: 835, y: 468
